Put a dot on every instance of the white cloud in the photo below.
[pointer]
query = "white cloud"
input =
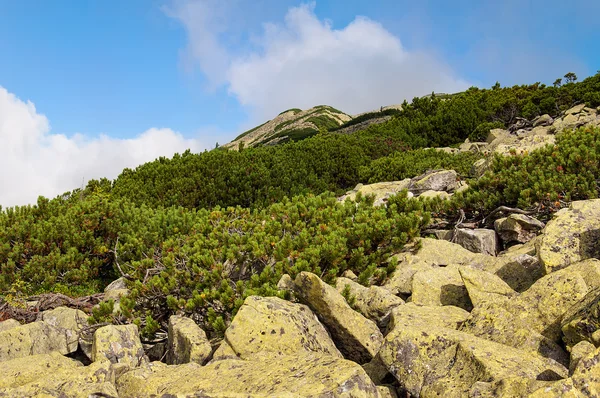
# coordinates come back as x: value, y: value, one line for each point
x: 36, y: 162
x: 304, y: 62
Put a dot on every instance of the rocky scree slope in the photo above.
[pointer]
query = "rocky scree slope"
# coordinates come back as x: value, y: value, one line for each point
x: 450, y: 322
x: 291, y: 125
x: 459, y: 317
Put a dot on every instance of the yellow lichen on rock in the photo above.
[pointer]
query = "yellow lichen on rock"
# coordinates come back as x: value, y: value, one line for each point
x: 357, y: 337
x: 118, y: 344
x: 270, y: 324
x: 373, y: 302
x: 571, y: 236
x: 34, y: 338
x: 305, y: 375
x: 187, y: 342
x: 55, y: 375
x: 432, y: 361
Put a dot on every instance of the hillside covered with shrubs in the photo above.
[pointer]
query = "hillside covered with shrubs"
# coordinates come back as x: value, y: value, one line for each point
x: 198, y: 233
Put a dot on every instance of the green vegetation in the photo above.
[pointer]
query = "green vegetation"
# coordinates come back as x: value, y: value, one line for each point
x: 323, y: 121
x: 295, y: 110
x: 367, y: 116
x: 401, y: 165
x: 544, y: 179
x: 200, y: 232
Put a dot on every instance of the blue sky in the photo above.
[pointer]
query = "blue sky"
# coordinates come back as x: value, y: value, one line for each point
x: 152, y: 77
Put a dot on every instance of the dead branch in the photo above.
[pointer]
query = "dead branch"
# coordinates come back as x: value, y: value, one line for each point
x: 505, y: 209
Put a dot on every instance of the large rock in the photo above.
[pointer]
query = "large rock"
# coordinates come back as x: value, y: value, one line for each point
x: 373, y: 302
x: 477, y: 240
x: 53, y: 375
x: 497, y: 134
x: 357, y: 337
x: 432, y: 361
x: 582, y: 321
x: 302, y: 375
x: 524, y: 145
x: 9, y: 324
x: 435, y: 194
x: 497, y: 323
x: 115, y: 291
x: 584, y: 382
x: 35, y: 338
x: 118, y: 344
x: 517, y: 228
x: 519, y: 271
x: 543, y: 120
x: 531, y: 321
x: 432, y: 254
x: 437, y: 180
x: 481, y: 166
x: 270, y: 324
x: 440, y: 286
x: 571, y: 236
x: 381, y: 190
x: 187, y: 342
x: 412, y: 314
x: 484, y: 287
x: 578, y: 352
x: 66, y: 318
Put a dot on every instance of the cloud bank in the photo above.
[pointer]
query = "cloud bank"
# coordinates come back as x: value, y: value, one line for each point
x: 304, y: 61
x: 36, y: 162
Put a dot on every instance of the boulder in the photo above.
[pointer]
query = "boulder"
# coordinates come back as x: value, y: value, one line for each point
x: 270, y: 324
x: 286, y: 283
x: 582, y: 321
x: 578, y: 352
x: 118, y: 344
x: 519, y: 271
x: 543, y: 120
x: 518, y: 228
x: 444, y: 234
x: 357, y: 337
x: 473, y: 147
x: 412, y: 314
x: 35, y: 338
x: 9, y: 324
x: 435, y: 194
x: 302, y: 375
x: 440, y: 286
x: 571, y: 236
x: 509, y: 387
x: 387, y: 392
x: 574, y: 110
x: 496, y: 134
x: 436, y: 180
x: 484, y: 287
x: 495, y: 322
x: 528, y: 248
x: 431, y: 254
x: 531, y: 321
x: 477, y: 240
x: 432, y: 361
x: 187, y: 342
x: 524, y: 145
x: 66, y: 318
x: 481, y: 166
x: 584, y: 382
x: 115, y: 291
x: 374, y: 302
x: 381, y: 190
x: 53, y: 375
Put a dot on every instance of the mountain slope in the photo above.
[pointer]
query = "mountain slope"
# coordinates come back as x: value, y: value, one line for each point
x: 291, y: 125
